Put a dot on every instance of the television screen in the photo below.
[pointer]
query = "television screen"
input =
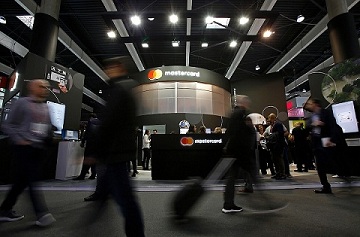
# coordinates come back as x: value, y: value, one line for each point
x: 345, y: 116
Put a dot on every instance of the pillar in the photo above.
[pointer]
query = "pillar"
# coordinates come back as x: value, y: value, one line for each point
x: 46, y: 29
x: 342, y: 31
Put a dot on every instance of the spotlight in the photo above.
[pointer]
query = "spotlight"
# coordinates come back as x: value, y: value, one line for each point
x: 2, y: 20
x: 209, y: 20
x: 135, y: 20
x: 257, y: 67
x: 267, y: 34
x: 145, y: 45
x: 174, y: 18
x: 300, y: 18
x: 151, y: 18
x: 204, y: 44
x: 233, y: 44
x: 175, y: 43
x: 111, y: 34
x: 243, y: 20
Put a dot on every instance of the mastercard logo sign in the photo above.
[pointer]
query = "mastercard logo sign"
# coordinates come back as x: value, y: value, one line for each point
x: 154, y: 74
x: 186, y: 141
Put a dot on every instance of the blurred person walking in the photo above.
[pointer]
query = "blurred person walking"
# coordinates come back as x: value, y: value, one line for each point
x: 328, y: 142
x: 240, y: 145
x: 117, y: 145
x: 29, y: 128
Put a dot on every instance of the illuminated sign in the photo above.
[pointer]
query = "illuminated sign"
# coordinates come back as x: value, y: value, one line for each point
x: 186, y: 141
x: 157, y: 74
x: 189, y: 141
x: 154, y: 74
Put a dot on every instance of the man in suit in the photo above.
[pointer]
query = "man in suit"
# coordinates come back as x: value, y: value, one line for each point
x: 326, y: 138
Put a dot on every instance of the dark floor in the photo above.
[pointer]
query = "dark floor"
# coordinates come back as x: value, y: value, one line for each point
x: 276, y: 208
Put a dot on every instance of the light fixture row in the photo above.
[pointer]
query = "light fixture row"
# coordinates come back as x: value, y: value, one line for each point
x: 136, y: 20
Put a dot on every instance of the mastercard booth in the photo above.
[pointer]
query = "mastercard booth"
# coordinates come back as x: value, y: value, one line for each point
x: 181, y: 156
x: 170, y: 94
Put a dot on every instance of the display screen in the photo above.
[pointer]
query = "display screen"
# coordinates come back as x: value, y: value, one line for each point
x: 57, y: 115
x: 70, y: 134
x: 345, y: 116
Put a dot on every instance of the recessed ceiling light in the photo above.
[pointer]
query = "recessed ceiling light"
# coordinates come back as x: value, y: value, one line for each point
x: 111, y: 34
x: 209, y: 20
x: 268, y: 33
x: 257, y: 67
x: 233, y: 44
x: 27, y: 20
x: 218, y: 23
x: 173, y: 18
x: 100, y: 91
x: 135, y: 20
x: 151, y: 18
x: 175, y: 43
x: 145, y: 45
x: 204, y: 44
x: 243, y: 20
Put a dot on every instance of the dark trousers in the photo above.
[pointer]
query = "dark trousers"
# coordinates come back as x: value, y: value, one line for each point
x: 85, y: 168
x: 146, y: 160
x: 118, y: 183
x: 28, y: 162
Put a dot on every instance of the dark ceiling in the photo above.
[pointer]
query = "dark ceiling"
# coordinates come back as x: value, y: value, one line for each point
x: 85, y: 23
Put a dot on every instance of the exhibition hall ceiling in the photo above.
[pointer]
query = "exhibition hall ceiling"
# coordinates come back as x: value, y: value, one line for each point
x: 293, y: 48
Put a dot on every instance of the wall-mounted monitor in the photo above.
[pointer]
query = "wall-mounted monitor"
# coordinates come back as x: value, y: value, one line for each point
x: 71, y: 135
x: 345, y: 116
x: 57, y: 115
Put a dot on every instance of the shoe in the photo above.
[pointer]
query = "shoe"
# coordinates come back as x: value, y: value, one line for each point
x: 289, y: 176
x: 298, y: 170
x: 10, y: 216
x: 45, y: 220
x: 136, y: 172
x: 231, y: 209
x: 246, y: 190
x: 323, y: 190
x: 92, y: 177
x: 92, y: 197
x: 133, y: 175
x: 79, y: 178
x: 280, y: 177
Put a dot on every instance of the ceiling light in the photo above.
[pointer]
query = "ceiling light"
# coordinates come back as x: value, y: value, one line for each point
x: 111, y: 34
x: 304, y: 90
x: 175, y: 43
x: 135, y: 20
x: 209, y: 20
x: 257, y: 67
x: 151, y: 18
x: 218, y: 23
x: 233, y: 44
x: 100, y: 91
x: 27, y: 20
x: 204, y: 44
x: 300, y: 18
x: 173, y: 18
x: 2, y: 20
x: 267, y: 33
x: 243, y: 20
x: 145, y: 45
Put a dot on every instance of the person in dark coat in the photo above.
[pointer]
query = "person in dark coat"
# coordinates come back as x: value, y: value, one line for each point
x: 327, y: 141
x: 116, y: 143
x: 89, y: 142
x: 240, y: 145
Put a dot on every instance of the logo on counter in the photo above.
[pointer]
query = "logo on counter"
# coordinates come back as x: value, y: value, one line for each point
x: 186, y: 141
x: 154, y: 74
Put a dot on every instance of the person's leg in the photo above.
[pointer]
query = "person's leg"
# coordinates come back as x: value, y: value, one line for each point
x: 120, y: 187
x: 230, y: 185
x: 33, y: 172
x: 321, y: 163
x: 93, y: 171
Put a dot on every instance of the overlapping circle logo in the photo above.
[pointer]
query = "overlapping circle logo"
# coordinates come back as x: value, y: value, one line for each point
x: 186, y: 141
x: 154, y: 74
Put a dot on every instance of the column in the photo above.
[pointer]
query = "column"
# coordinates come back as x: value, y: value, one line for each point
x: 46, y: 29
x: 342, y: 31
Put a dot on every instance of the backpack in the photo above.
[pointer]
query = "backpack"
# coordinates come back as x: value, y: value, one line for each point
x: 272, y: 140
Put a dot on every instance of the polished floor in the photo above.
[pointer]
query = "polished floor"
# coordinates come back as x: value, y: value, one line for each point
x: 276, y: 208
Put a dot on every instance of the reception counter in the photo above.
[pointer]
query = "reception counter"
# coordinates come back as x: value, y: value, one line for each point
x: 181, y: 156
